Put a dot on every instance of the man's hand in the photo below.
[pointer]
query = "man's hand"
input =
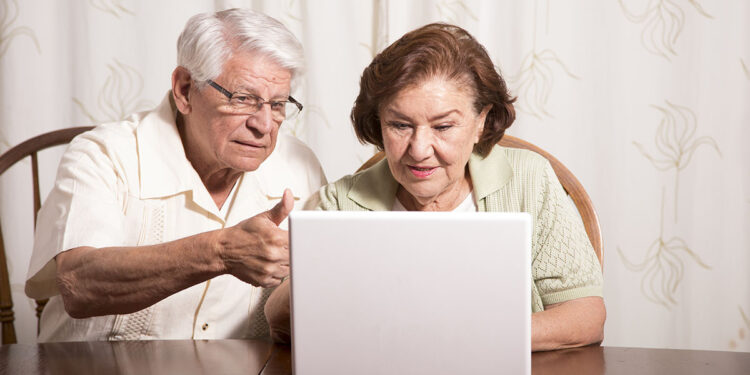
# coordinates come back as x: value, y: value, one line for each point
x: 256, y: 250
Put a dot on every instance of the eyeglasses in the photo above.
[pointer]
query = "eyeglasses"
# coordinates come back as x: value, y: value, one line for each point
x: 247, y: 104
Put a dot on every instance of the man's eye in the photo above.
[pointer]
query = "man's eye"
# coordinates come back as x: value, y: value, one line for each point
x: 243, y: 99
x: 442, y: 128
x: 277, y: 106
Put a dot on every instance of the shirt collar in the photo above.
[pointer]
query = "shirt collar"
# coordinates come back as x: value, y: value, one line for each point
x: 490, y: 173
x: 164, y: 168
x: 375, y: 188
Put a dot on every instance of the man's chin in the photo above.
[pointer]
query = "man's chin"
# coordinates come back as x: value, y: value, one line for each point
x: 247, y: 167
x: 248, y: 164
x: 247, y: 160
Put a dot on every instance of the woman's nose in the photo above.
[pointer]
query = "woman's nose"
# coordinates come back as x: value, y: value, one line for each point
x: 420, y: 145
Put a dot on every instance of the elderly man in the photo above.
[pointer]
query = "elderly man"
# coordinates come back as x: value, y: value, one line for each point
x: 166, y: 225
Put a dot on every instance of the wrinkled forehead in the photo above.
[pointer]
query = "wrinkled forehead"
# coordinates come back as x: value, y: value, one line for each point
x: 459, y: 86
x: 248, y: 69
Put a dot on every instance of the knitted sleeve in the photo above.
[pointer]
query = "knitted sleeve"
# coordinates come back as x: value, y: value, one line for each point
x: 564, y: 264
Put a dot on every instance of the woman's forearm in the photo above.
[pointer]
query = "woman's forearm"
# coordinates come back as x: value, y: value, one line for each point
x: 568, y: 324
x: 278, y: 312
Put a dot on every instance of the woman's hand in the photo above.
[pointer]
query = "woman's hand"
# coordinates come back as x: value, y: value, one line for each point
x: 568, y: 324
x: 278, y: 313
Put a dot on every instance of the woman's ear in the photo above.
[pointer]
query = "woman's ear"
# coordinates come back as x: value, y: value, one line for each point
x: 480, y: 122
x: 182, y: 82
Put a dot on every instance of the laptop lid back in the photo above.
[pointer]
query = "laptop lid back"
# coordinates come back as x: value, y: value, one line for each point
x: 410, y: 292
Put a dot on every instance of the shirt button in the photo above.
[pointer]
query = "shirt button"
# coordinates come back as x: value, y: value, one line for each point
x: 205, y: 326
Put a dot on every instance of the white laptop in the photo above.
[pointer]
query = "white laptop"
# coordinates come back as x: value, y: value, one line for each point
x: 410, y: 292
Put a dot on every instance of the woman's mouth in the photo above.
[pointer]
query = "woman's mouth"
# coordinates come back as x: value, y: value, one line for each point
x: 422, y: 172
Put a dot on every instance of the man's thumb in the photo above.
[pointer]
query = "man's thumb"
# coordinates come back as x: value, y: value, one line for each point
x: 281, y: 210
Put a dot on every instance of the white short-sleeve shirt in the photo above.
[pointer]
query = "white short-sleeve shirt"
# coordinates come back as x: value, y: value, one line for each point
x: 129, y: 183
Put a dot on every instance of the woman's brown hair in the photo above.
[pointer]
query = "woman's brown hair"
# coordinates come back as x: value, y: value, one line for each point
x: 436, y: 49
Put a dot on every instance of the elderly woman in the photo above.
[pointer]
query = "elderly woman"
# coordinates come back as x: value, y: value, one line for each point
x: 435, y: 104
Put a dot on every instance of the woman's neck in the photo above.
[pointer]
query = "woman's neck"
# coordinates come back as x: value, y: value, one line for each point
x: 447, y: 200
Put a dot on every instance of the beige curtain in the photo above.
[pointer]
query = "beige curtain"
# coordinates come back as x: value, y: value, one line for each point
x: 646, y: 101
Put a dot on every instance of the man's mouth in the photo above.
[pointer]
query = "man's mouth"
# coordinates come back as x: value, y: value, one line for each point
x: 249, y: 144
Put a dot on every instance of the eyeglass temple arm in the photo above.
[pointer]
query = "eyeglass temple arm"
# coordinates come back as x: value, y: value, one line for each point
x: 298, y: 104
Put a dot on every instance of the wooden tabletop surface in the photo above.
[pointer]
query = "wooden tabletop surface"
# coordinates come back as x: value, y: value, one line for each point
x: 261, y: 357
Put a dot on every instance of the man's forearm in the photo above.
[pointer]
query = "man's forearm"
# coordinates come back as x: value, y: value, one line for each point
x: 122, y: 280
x: 568, y: 324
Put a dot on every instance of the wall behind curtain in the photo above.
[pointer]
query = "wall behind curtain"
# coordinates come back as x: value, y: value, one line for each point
x: 646, y: 101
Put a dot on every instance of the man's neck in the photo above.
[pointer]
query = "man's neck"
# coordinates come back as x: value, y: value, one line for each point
x: 218, y: 181
x: 220, y: 185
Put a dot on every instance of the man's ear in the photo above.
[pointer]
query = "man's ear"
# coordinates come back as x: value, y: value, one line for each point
x: 182, y: 82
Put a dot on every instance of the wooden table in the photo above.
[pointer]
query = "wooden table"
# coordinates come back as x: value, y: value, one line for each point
x: 261, y: 357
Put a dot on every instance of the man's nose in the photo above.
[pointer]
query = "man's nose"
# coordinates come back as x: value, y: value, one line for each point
x: 262, y: 121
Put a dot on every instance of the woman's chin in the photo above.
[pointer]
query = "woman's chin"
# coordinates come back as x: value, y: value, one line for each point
x: 421, y: 195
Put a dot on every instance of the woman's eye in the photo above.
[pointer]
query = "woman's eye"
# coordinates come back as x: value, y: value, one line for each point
x: 442, y: 128
x: 398, y: 125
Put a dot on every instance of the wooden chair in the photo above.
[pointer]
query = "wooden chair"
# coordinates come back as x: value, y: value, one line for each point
x: 28, y: 148
x: 569, y: 182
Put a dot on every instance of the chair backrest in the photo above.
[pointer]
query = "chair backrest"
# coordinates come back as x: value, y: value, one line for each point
x: 28, y: 148
x: 568, y: 181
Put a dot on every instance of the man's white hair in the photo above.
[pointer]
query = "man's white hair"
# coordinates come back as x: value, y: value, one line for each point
x: 209, y: 39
